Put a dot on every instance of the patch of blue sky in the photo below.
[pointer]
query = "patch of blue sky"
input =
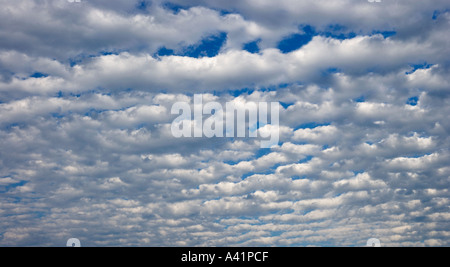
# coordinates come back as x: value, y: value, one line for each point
x: 243, y: 91
x: 143, y: 5
x: 413, y: 101
x: 263, y: 152
x: 416, y: 155
x: 283, y: 85
x: 57, y: 115
x: 276, y: 233
x: 333, y: 70
x: 252, y: 47
x: 13, y: 199
x: 360, y: 99
x: 7, y: 188
x: 108, y: 53
x: 102, y: 91
x: 260, y: 153
x: 176, y: 8
x: 253, y: 128
x: 274, y: 88
x: 246, y: 175
x: 173, y: 7
x: 386, y: 34
x: 297, y: 40
x: 286, y: 105
x: 438, y: 13
x: 39, y: 75
x: 329, y: 72
x: 94, y: 111
x: 415, y: 67
x: 251, y: 90
x: 325, y: 147
x: 208, y: 47
x: 340, y: 32
x: 75, y: 61
x: 14, y: 125
x: 298, y: 177
x: 224, y: 12
x: 163, y: 51
x: 306, y: 159
x: 39, y: 214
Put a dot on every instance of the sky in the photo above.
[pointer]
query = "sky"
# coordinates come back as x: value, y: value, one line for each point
x: 86, y: 150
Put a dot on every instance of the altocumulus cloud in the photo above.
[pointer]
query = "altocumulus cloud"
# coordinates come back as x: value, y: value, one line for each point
x: 86, y: 149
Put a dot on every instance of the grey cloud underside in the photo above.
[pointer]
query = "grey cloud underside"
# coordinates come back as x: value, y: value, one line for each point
x: 86, y: 149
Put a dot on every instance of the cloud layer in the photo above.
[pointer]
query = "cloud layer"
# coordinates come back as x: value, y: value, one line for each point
x: 86, y: 149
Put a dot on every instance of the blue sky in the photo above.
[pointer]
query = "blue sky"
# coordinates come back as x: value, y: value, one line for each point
x: 86, y: 151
